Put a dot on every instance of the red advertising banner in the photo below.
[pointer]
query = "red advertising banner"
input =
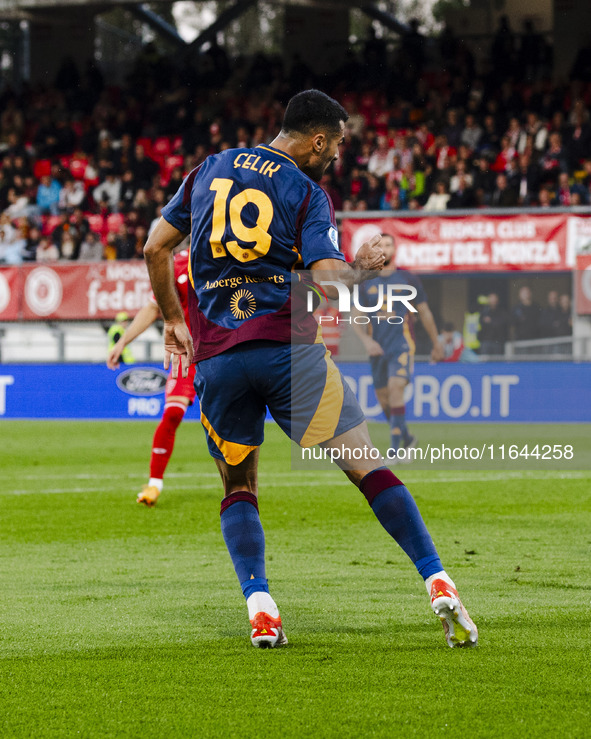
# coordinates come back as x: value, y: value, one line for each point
x: 477, y: 243
x: 10, y: 290
x: 583, y: 285
x: 73, y: 291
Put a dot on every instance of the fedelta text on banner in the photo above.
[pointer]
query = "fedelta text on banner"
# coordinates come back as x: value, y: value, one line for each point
x: 512, y: 392
x: 73, y: 291
x: 475, y: 243
x: 492, y: 392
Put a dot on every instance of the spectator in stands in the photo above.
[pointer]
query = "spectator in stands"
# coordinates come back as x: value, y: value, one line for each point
x: 48, y: 196
x: 549, y: 317
x: 463, y: 196
x: 175, y: 181
x: 47, y: 251
x: 439, y: 199
x: 505, y: 157
x: 454, y: 349
x: 19, y: 204
x: 483, y: 181
x: 68, y: 247
x: 503, y: 196
x: 72, y: 195
x: 140, y: 235
x: 461, y: 170
x: 494, y: 324
x: 525, y: 180
x: 12, y: 244
x: 534, y: 130
x: 382, y: 160
x: 374, y: 192
x: 525, y: 316
x: 144, y: 169
x: 565, y: 324
x: 31, y: 243
x: 91, y: 249
x: 128, y: 191
x: 554, y: 160
x: 490, y: 141
x: 471, y: 133
x: 108, y: 194
x: 546, y: 197
x: 124, y: 243
x: 453, y: 128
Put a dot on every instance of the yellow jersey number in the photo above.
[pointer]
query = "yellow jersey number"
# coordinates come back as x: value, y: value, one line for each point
x: 258, y: 234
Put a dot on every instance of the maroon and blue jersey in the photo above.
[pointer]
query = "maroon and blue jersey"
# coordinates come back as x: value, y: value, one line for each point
x: 394, y: 338
x: 253, y: 216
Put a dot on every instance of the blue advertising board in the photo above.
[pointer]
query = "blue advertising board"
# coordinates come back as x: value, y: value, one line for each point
x: 488, y: 392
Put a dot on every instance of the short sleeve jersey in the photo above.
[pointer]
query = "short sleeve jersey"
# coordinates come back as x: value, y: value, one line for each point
x: 394, y: 338
x: 253, y: 216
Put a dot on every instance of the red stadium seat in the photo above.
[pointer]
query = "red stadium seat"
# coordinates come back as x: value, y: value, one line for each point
x: 42, y: 168
x: 161, y: 147
x: 96, y: 222
x: 49, y: 223
x: 78, y: 168
x: 146, y: 143
x: 176, y: 160
x: 114, y: 222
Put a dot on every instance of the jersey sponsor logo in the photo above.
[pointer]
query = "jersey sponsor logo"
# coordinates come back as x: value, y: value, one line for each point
x: 143, y: 381
x: 242, y: 304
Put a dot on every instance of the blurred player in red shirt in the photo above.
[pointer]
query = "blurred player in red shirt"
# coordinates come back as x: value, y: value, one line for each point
x: 179, y: 392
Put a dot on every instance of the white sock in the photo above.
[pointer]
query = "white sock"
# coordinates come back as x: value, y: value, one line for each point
x: 439, y: 576
x: 155, y: 482
x: 261, y: 602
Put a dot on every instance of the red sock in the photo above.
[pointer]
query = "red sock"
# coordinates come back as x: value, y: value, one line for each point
x: 163, y: 442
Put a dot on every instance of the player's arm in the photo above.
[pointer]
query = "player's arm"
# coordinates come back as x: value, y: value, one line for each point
x: 144, y: 318
x: 428, y: 322
x: 368, y: 262
x: 158, y: 252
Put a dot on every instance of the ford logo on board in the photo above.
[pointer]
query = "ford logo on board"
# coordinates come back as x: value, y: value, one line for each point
x: 142, y: 381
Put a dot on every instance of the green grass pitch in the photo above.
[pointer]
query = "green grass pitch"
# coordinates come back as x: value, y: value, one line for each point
x: 121, y: 621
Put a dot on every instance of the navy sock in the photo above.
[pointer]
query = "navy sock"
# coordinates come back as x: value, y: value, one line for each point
x: 397, y: 511
x: 245, y: 539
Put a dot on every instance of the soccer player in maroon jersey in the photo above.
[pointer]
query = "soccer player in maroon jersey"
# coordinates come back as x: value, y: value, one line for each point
x: 254, y: 215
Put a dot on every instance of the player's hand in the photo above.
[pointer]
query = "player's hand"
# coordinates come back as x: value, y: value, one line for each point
x: 114, y: 356
x: 373, y: 348
x: 178, y: 347
x: 437, y: 353
x: 370, y: 255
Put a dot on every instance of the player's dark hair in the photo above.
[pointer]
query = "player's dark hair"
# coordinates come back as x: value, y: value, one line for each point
x: 311, y: 110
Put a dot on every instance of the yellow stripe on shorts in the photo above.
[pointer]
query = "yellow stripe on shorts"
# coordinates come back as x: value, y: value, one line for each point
x: 233, y: 452
x: 323, y: 425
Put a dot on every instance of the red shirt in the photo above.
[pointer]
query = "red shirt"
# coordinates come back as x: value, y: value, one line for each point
x: 181, y: 281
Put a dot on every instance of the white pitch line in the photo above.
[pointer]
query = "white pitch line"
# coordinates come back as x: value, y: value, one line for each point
x: 298, y: 482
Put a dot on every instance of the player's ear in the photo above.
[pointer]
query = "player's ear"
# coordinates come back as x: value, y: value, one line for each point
x: 319, y: 143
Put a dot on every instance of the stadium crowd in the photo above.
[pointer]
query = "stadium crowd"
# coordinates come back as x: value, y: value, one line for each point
x: 86, y: 166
